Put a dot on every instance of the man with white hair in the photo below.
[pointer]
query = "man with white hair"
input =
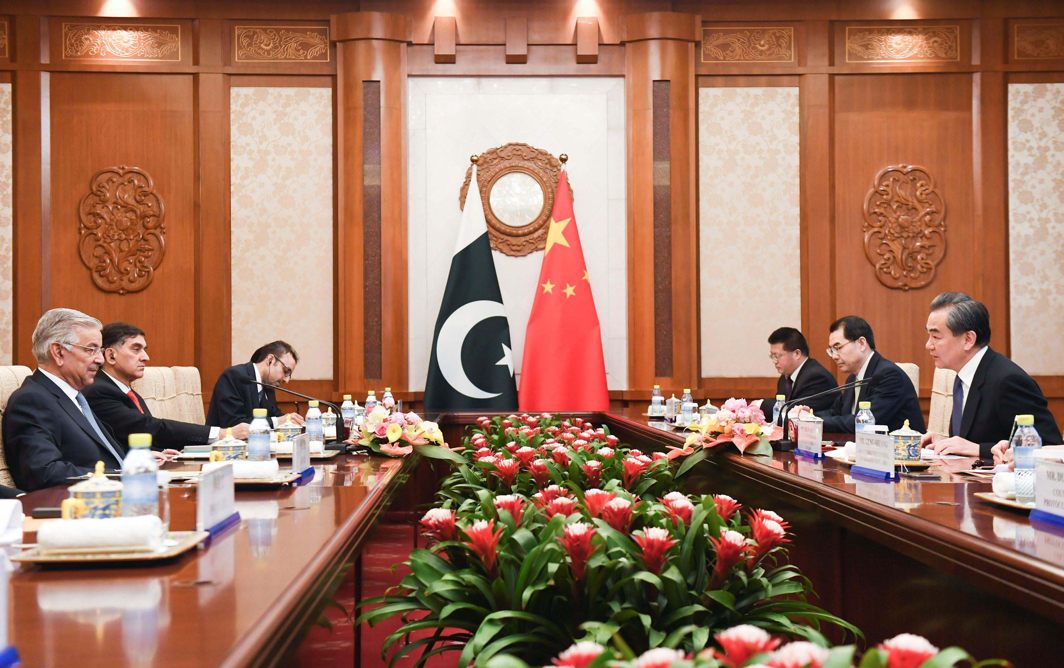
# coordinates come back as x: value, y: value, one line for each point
x: 50, y: 433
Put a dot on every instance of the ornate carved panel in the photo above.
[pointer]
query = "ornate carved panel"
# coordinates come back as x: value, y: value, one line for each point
x: 121, y: 41
x: 905, y: 227
x: 1038, y: 41
x: 503, y: 166
x: 748, y: 45
x: 4, y: 39
x: 915, y: 44
x: 280, y: 44
x: 121, y: 235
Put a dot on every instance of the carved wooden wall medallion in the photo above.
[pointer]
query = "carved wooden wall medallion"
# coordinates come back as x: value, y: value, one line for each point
x: 281, y: 44
x: 121, y: 235
x: 748, y: 45
x: 1038, y: 41
x: 4, y: 39
x: 121, y: 41
x: 509, y: 177
x: 907, y: 44
x: 905, y: 227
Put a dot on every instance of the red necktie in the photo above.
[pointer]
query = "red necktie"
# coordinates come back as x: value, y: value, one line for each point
x: 136, y: 402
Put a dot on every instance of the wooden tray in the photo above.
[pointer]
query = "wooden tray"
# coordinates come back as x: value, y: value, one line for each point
x: 990, y: 497
x: 183, y: 542
x: 328, y: 454
x: 898, y: 463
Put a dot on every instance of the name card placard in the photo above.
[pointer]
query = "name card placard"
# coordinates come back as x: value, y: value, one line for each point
x: 810, y: 434
x: 875, y: 455
x: 1048, y: 491
x: 215, y: 499
x: 301, y: 453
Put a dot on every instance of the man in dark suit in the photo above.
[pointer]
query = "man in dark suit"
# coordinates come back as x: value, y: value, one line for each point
x: 236, y: 394
x: 113, y: 400
x: 50, y: 433
x: 800, y: 375
x: 990, y: 389
x: 852, y: 345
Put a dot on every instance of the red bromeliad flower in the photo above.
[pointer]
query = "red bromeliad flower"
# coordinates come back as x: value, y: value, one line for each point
x: 907, y: 650
x: 439, y: 523
x: 618, y: 514
x: 769, y: 515
x: 561, y: 505
x: 560, y: 455
x: 540, y: 472
x: 768, y: 534
x: 731, y: 547
x: 800, y: 654
x: 484, y: 542
x: 726, y: 506
x: 596, y: 499
x: 549, y: 493
x: 580, y: 655
x: 512, y: 504
x: 605, y: 452
x: 612, y: 441
x: 525, y: 455
x: 481, y: 453
x: 593, y: 471
x: 659, y: 657
x: 576, y: 539
x: 506, y: 470
x: 739, y: 643
x: 655, y: 543
x: 679, y: 506
x: 633, y: 468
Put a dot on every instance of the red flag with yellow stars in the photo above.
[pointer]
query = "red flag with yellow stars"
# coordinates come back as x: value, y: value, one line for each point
x: 563, y: 368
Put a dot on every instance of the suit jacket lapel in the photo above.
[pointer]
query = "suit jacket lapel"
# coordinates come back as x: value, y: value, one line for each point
x: 971, y: 403
x: 72, y: 410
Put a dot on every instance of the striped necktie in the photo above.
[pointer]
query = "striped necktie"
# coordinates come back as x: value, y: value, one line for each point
x: 87, y: 412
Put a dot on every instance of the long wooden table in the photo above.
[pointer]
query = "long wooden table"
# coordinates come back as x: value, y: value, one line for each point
x: 922, y: 556
x: 243, y: 600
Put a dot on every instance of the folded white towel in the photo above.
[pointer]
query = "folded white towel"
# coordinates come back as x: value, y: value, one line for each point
x: 248, y: 470
x: 144, y: 531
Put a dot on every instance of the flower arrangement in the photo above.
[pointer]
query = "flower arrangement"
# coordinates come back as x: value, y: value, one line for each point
x: 398, y: 434
x: 752, y: 647
x: 552, y: 530
x: 737, y: 422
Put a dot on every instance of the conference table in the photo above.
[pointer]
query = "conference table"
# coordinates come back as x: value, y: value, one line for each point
x: 923, y: 556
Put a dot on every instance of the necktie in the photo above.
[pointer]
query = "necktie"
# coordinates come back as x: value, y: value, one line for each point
x: 788, y: 387
x: 856, y: 399
x: 958, y: 407
x: 136, y: 402
x: 87, y: 412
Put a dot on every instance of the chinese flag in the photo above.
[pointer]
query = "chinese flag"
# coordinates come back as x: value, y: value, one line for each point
x: 563, y: 368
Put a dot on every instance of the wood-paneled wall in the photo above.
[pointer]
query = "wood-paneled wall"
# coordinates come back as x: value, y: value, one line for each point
x: 168, y: 113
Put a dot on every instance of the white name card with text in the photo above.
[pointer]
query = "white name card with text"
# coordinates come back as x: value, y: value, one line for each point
x: 1049, y: 487
x: 215, y: 498
x: 875, y: 452
x: 810, y: 433
x: 301, y: 453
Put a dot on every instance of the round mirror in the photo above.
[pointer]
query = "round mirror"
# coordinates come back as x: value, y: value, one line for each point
x: 516, y: 199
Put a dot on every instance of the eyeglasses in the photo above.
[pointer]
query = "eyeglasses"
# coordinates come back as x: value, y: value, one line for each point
x: 776, y: 357
x: 834, y: 350
x: 287, y: 370
x: 93, y: 351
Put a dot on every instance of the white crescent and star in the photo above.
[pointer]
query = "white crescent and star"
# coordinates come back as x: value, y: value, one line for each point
x: 452, y: 336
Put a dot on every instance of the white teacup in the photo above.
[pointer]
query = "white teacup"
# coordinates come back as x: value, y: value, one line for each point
x: 1005, y: 484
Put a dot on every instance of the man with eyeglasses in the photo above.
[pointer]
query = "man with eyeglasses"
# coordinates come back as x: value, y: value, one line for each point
x: 236, y: 393
x: 800, y: 375
x: 50, y: 432
x: 852, y: 345
x: 120, y: 407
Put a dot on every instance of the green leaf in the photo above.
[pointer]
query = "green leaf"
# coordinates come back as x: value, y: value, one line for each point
x: 724, y: 598
x: 690, y: 461
x: 437, y: 452
x: 947, y: 658
x: 840, y: 657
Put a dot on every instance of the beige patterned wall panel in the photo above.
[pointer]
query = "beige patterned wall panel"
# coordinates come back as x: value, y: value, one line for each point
x: 6, y: 248
x: 1036, y: 226
x: 749, y: 216
x: 282, y: 223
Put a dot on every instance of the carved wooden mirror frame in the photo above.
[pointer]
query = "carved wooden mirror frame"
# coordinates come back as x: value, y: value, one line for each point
x: 496, y: 163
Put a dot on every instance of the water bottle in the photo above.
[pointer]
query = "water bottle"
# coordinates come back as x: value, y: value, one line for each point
x: 864, y: 420
x: 672, y: 408
x: 688, y: 407
x: 314, y: 425
x: 371, y: 401
x: 777, y: 407
x: 347, y: 412
x: 1024, y: 442
x: 259, y: 436
x: 657, y: 402
x: 387, y: 400
x: 328, y: 421
x: 140, y: 491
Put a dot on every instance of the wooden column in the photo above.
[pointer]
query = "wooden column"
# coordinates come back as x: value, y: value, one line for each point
x: 661, y: 101
x: 371, y: 187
